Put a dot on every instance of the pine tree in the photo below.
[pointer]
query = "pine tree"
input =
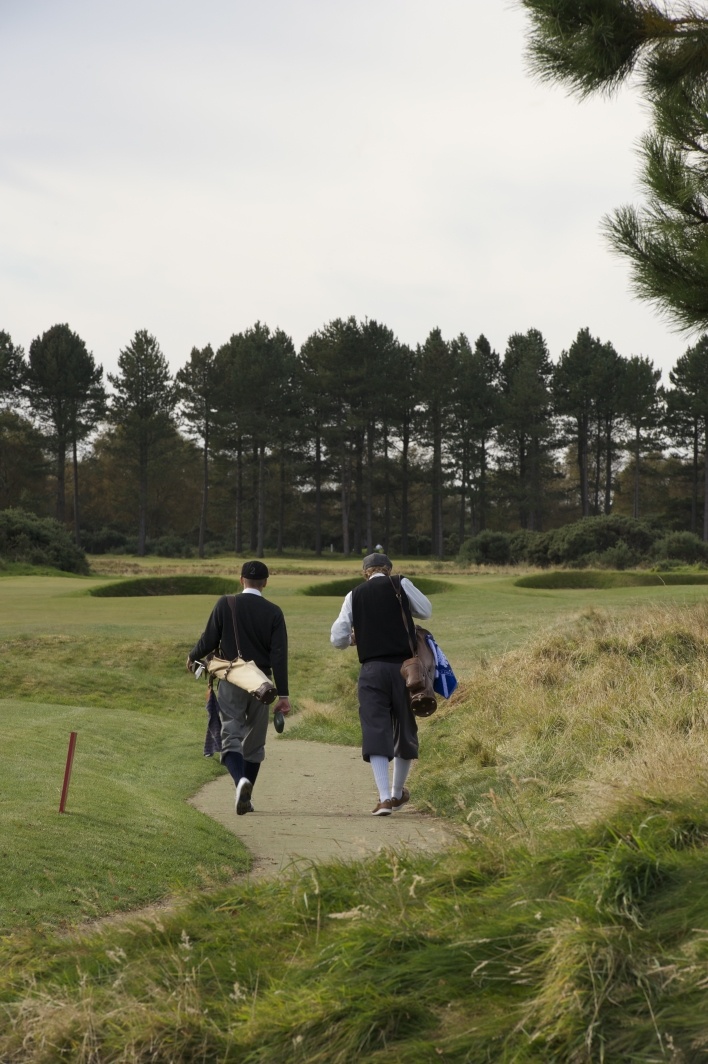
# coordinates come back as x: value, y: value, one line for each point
x: 642, y: 410
x: 64, y: 390
x: 595, y: 46
x: 143, y: 407
x: 690, y: 379
x: 526, y: 430
x: 198, y: 395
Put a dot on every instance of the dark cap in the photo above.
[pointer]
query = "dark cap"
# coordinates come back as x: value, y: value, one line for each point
x: 254, y: 571
x: 372, y: 561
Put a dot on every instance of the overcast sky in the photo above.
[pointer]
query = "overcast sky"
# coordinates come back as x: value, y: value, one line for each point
x: 190, y: 169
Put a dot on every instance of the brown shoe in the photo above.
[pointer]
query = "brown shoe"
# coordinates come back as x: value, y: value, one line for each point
x: 384, y: 808
x: 396, y: 803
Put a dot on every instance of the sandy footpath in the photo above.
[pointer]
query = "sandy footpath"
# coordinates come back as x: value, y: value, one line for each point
x: 314, y: 800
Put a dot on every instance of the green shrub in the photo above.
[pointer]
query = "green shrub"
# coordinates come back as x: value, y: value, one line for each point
x: 587, y: 542
x: 497, y: 548
x: 620, y: 557
x: 171, y: 547
x: 103, y: 540
x: 683, y: 547
x: 486, y: 548
x: 39, y: 541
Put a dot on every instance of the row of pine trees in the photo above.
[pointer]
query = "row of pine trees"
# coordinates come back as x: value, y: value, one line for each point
x: 353, y: 440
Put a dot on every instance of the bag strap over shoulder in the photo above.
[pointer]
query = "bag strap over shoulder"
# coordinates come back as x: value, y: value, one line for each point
x: 231, y: 599
x: 397, y: 592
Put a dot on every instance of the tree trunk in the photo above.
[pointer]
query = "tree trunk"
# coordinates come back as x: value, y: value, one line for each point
x: 369, y: 486
x: 598, y: 469
x: 387, y: 491
x: 463, y: 492
x: 694, y: 478
x: 482, y: 518
x: 583, y: 467
x: 142, y: 499
x: 635, y: 499
x: 437, y: 523
x: 61, y: 481
x: 260, y: 531
x: 239, y: 498
x: 346, y: 501
x: 705, y: 482
x: 254, y: 499
x: 608, y: 466
x: 318, y: 494
x: 523, y: 473
x: 205, y: 493
x: 358, y: 493
x: 281, y: 502
x: 77, y: 522
x: 404, y: 488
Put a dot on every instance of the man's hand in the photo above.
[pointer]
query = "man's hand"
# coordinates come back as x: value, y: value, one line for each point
x: 283, y: 704
x: 190, y: 664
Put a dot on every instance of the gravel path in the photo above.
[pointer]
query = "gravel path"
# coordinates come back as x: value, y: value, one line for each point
x: 314, y: 800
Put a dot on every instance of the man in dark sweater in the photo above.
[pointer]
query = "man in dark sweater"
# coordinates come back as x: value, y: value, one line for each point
x: 262, y: 638
x: 372, y: 619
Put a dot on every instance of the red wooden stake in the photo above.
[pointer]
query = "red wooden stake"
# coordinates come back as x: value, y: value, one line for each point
x: 67, y: 771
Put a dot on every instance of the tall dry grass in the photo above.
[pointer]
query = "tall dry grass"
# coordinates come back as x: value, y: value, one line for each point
x: 570, y: 725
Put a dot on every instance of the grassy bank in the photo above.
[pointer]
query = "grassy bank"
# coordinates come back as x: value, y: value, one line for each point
x: 569, y: 927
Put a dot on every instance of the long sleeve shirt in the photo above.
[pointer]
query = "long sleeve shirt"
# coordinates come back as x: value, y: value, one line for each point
x: 263, y: 637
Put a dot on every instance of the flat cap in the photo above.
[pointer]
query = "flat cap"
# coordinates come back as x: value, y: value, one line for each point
x: 372, y: 561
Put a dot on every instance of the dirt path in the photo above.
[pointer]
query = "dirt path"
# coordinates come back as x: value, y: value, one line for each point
x: 314, y: 800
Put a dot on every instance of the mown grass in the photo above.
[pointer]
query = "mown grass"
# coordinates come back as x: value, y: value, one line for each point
x: 128, y: 836
x: 569, y: 927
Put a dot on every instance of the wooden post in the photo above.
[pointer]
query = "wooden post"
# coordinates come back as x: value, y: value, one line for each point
x: 67, y: 772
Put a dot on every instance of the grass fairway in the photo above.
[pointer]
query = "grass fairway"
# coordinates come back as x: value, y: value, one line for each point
x: 128, y: 836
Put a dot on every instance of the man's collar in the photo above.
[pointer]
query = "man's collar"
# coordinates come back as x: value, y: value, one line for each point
x: 251, y: 591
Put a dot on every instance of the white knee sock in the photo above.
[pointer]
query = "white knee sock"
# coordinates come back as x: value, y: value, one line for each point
x: 379, y: 764
x: 401, y: 769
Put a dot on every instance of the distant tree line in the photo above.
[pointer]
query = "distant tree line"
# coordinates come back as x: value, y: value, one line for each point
x: 355, y: 439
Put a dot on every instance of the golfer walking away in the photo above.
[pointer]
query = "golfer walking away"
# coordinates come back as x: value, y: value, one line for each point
x: 371, y: 620
x: 263, y: 638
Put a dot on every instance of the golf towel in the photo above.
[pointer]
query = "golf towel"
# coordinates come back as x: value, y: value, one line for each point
x: 212, y: 741
x: 445, y: 680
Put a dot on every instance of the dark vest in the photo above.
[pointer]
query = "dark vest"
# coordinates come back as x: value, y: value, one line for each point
x: 378, y: 624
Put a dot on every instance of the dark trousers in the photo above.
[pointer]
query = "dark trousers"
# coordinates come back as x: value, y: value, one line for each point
x: 388, y: 727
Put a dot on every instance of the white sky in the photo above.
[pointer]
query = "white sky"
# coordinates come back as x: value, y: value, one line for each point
x: 192, y: 168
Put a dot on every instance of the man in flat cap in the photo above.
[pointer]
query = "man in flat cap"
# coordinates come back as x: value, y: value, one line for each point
x: 372, y: 619
x: 262, y: 638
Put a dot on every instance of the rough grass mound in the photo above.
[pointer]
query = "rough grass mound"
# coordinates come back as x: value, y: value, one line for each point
x: 339, y: 588
x: 601, y: 579
x: 168, y: 585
